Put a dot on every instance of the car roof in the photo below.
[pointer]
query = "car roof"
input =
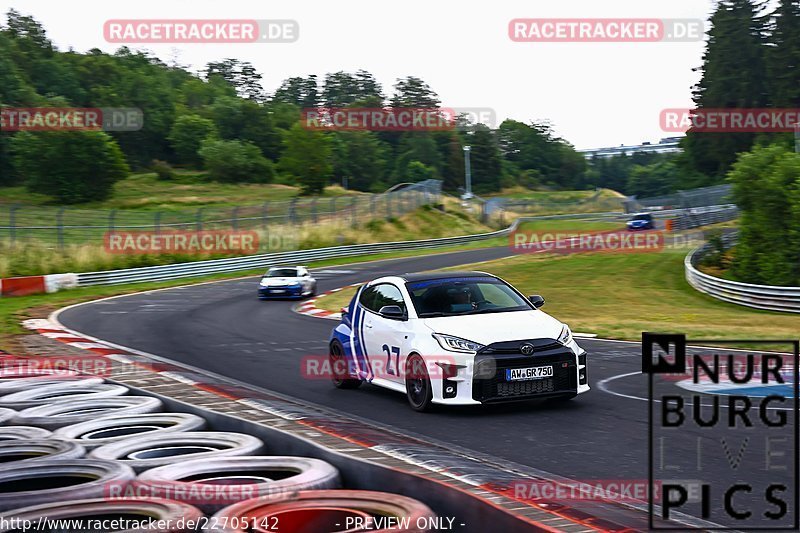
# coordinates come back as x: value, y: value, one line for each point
x: 426, y: 276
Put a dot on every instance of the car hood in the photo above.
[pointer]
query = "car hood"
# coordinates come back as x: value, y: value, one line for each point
x: 497, y: 327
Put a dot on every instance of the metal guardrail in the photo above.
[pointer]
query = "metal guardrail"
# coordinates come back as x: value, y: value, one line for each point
x: 768, y: 297
x: 252, y: 262
x: 262, y: 261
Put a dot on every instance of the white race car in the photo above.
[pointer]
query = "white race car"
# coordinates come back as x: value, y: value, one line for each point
x: 287, y: 282
x: 458, y: 338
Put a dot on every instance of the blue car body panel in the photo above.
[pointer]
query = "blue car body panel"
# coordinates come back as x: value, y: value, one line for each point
x: 349, y: 332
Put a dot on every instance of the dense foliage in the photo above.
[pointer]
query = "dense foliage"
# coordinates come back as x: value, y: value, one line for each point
x: 225, y: 123
x: 767, y: 190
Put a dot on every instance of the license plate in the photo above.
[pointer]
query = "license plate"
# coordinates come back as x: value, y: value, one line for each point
x: 276, y: 291
x: 525, y: 374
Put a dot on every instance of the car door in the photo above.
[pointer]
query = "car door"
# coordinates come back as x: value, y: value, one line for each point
x: 386, y: 338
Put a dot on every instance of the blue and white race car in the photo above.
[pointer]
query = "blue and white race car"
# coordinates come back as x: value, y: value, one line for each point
x: 641, y: 221
x: 458, y: 338
x: 287, y: 282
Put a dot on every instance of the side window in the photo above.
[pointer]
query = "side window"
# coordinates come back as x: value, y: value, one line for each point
x: 367, y: 298
x: 387, y: 294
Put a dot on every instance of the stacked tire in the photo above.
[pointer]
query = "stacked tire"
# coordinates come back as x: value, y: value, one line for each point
x: 76, y: 447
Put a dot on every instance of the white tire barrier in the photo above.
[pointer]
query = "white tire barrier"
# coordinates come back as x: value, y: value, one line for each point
x: 14, y: 452
x: 233, y: 479
x: 10, y: 386
x: 8, y: 433
x: 94, y: 433
x: 6, y: 415
x: 49, y: 394
x: 58, y: 480
x: 66, y: 413
x: 149, y: 451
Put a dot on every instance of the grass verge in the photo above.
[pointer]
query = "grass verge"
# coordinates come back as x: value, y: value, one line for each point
x: 620, y: 295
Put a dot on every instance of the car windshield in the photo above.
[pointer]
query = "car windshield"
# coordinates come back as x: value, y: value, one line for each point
x: 282, y: 273
x: 642, y: 217
x: 464, y: 296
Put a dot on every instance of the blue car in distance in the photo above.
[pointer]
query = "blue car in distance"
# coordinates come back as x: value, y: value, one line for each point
x: 287, y: 282
x: 641, y: 221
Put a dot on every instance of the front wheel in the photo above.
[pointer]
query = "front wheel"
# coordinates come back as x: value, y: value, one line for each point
x: 418, y: 384
x: 339, y: 368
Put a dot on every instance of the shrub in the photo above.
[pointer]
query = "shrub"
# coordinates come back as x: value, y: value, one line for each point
x: 71, y: 166
x: 162, y: 169
x: 236, y: 162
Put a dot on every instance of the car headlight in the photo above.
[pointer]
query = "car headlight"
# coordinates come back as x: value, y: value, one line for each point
x: 456, y: 344
x: 294, y: 284
x: 264, y: 283
x: 565, y: 337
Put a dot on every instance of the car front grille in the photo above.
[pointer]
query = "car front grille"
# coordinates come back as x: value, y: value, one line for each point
x: 492, y: 386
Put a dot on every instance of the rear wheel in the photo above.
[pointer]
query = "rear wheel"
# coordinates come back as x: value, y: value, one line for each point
x: 339, y: 368
x: 418, y: 384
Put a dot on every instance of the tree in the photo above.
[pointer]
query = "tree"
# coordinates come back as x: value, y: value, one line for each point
x: 71, y: 166
x: 241, y: 75
x: 246, y: 120
x: 360, y: 157
x: 413, y: 92
x: 341, y: 89
x: 766, y: 188
x: 235, y: 162
x: 186, y: 136
x: 452, y: 158
x: 733, y: 76
x: 485, y: 160
x: 302, y: 92
x: 656, y: 179
x: 307, y: 156
x: 417, y: 172
x: 783, y: 56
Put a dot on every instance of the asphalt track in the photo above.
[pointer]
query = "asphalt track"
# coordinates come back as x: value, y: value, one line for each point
x: 602, y: 435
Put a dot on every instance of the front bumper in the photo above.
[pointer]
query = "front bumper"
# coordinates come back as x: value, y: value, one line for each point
x: 491, y: 385
x: 274, y: 293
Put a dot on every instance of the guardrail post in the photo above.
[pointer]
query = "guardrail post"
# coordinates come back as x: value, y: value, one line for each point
x: 314, y: 210
x: 235, y: 218
x: 112, y: 215
x: 291, y: 215
x: 60, y: 227
x: 157, y: 222
x: 199, y: 219
x: 12, y: 222
x: 264, y: 213
x: 353, y: 212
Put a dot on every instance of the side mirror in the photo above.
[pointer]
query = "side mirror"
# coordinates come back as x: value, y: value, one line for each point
x: 536, y: 300
x: 395, y: 312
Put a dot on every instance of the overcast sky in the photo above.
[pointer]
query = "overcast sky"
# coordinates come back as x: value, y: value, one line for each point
x: 594, y: 94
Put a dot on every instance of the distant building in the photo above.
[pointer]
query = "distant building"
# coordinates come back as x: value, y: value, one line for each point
x: 667, y: 145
